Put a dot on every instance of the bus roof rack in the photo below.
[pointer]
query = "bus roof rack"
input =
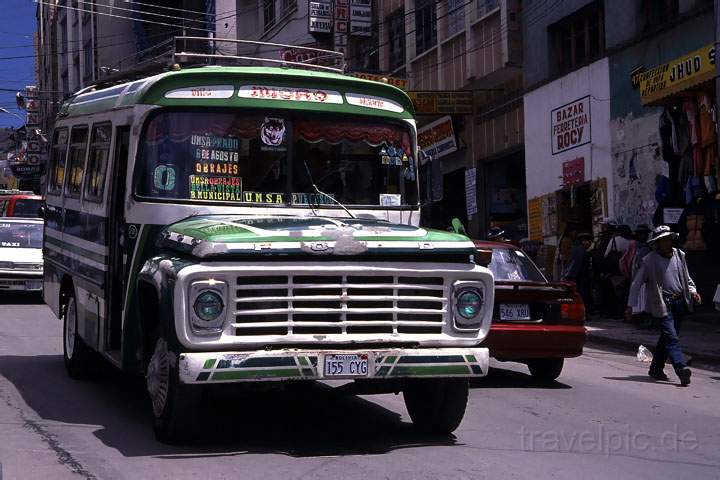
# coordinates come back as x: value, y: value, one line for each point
x: 214, y: 51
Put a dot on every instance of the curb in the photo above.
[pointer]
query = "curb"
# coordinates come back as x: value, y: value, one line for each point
x: 626, y: 345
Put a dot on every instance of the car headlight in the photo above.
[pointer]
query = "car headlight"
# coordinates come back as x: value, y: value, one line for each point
x: 207, y: 301
x: 468, y: 307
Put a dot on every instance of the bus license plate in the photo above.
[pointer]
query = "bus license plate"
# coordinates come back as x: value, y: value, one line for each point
x: 346, y: 365
x: 514, y: 311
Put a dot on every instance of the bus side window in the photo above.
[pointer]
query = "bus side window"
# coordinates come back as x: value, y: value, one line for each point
x: 76, y: 159
x: 97, y: 162
x: 59, y: 156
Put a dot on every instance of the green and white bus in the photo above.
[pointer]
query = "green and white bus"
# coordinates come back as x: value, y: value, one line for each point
x: 243, y: 224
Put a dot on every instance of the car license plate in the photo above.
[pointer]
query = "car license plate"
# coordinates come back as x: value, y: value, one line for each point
x: 346, y: 365
x: 514, y: 311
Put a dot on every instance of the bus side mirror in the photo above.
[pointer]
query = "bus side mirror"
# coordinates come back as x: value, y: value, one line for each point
x: 41, y: 211
x: 431, y: 187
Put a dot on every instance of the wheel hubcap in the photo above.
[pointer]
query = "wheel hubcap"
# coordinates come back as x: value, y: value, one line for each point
x: 158, y: 377
x: 70, y: 328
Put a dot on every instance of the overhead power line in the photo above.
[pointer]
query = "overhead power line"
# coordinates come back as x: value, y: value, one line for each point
x: 153, y: 22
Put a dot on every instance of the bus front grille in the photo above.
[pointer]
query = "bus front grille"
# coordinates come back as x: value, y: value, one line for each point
x: 335, y: 304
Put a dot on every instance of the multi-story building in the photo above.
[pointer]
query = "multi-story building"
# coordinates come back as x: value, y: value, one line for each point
x: 472, y: 48
x: 83, y: 42
x: 302, y: 23
x: 619, y: 117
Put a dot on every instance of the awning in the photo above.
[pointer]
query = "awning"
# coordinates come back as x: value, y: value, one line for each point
x: 678, y: 75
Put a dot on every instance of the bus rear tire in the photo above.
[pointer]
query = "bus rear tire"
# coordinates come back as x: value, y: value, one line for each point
x: 174, y: 404
x: 76, y: 355
x: 436, y: 406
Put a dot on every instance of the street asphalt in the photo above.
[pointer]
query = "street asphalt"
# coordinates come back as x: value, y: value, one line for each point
x: 603, y: 419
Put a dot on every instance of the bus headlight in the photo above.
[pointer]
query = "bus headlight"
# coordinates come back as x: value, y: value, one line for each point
x: 207, y: 300
x: 468, y: 306
x: 208, y: 306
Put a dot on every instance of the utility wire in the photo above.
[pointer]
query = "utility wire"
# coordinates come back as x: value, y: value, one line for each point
x: 68, y: 7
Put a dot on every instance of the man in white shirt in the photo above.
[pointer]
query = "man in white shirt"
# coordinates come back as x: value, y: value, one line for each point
x: 669, y: 294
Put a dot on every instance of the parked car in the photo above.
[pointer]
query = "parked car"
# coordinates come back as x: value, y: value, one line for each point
x: 21, y: 260
x: 18, y: 203
x: 536, y: 322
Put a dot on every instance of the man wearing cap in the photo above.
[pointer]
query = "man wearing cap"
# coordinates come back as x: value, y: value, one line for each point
x: 496, y: 234
x: 669, y: 294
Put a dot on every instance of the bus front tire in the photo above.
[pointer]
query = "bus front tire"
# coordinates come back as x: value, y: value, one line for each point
x: 436, y: 406
x: 77, y: 355
x: 174, y: 404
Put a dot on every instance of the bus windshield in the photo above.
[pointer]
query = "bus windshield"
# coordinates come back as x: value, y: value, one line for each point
x: 243, y: 157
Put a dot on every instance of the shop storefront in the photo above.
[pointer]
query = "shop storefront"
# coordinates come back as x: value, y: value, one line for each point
x: 568, y: 163
x: 501, y: 193
x: 438, y: 139
x: 682, y: 91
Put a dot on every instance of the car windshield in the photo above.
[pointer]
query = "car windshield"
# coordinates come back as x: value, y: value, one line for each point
x: 514, y: 265
x: 27, y: 207
x: 274, y: 158
x: 21, y: 235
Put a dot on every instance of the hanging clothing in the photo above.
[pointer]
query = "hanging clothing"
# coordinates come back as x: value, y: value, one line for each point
x: 683, y: 132
x: 668, y: 137
x: 707, y: 127
x: 709, y: 154
x: 690, y: 109
x: 698, y: 160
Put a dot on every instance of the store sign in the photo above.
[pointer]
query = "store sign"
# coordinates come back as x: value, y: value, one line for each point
x: 400, y: 83
x: 25, y: 170
x: 267, y: 92
x: 33, y: 119
x: 342, y: 12
x: 32, y: 105
x: 202, y: 92
x: 450, y: 102
x: 33, y: 145
x: 573, y: 171
x: 671, y: 216
x: 371, y: 101
x: 320, y: 17
x: 678, y: 75
x: 437, y: 139
x: 471, y: 191
x: 361, y: 18
x: 535, y: 219
x: 570, y: 125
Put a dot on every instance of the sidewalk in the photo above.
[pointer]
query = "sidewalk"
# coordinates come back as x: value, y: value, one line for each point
x: 700, y: 338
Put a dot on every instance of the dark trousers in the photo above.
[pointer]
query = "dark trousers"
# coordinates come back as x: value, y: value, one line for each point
x: 669, y: 342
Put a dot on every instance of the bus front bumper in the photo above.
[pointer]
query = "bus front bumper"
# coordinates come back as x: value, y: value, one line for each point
x: 292, y: 364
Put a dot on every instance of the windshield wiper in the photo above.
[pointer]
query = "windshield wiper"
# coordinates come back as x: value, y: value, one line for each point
x: 320, y: 192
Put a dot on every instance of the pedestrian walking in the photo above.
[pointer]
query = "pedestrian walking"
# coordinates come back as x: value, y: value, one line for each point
x: 615, y: 282
x: 578, y: 268
x: 669, y: 295
x: 563, y: 254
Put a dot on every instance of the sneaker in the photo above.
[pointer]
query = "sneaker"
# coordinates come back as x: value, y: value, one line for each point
x: 684, y: 376
x: 658, y: 375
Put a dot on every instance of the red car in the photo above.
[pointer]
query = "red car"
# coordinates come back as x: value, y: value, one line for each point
x: 535, y: 322
x: 17, y: 203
